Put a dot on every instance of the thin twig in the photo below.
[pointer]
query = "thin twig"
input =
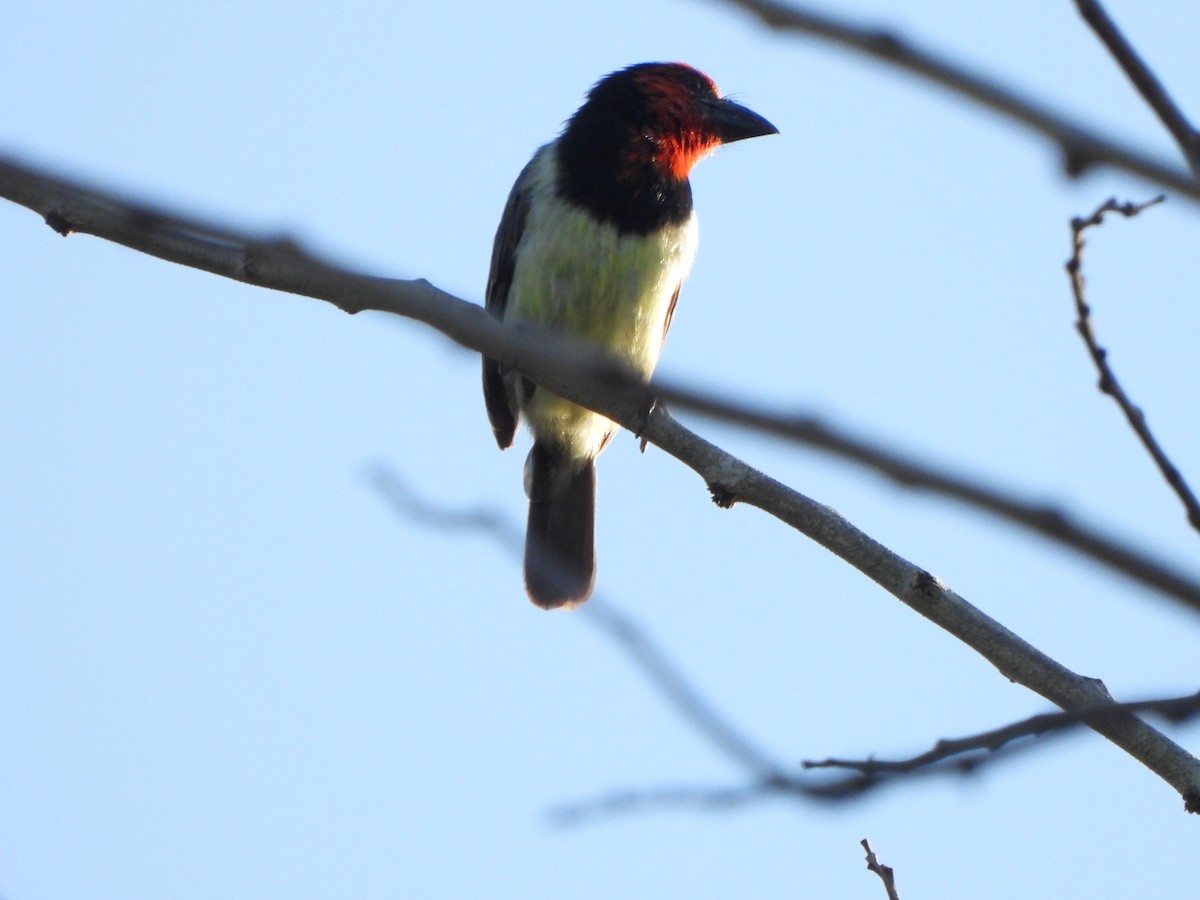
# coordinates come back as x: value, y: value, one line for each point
x: 984, y: 746
x: 618, y: 803
x: 404, y: 500
x: 797, y: 787
x: 686, y: 700
x: 645, y: 653
x: 1144, y: 80
x: 1108, y: 383
x: 1082, y: 148
x: 885, y: 873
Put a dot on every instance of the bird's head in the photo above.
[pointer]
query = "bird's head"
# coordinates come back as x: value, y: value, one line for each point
x: 626, y: 154
x: 671, y: 113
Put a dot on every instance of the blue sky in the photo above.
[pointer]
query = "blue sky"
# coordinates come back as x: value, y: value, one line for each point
x: 228, y: 668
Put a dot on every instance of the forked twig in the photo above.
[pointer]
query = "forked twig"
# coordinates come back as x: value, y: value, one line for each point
x: 969, y: 753
x: 886, y: 874
x: 1108, y: 383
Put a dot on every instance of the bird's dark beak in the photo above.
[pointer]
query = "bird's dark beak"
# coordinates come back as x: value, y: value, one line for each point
x: 733, y: 122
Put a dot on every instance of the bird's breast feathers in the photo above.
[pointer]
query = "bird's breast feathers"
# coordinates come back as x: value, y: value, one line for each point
x: 578, y: 274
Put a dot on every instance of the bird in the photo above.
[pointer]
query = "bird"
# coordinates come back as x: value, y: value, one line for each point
x: 596, y: 239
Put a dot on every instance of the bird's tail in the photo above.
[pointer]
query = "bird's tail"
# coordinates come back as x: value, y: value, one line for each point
x: 560, y: 545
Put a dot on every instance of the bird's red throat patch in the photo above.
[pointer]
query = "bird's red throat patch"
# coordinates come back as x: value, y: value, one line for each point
x: 683, y: 138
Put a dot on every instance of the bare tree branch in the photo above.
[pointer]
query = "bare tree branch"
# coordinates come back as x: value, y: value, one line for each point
x: 976, y: 749
x: 795, y: 787
x: 1144, y: 80
x: 771, y: 778
x: 580, y: 371
x: 950, y: 758
x: 1108, y: 383
x: 1081, y: 147
x: 1046, y: 519
x: 587, y: 376
x: 965, y: 755
x: 618, y: 803
x: 885, y: 873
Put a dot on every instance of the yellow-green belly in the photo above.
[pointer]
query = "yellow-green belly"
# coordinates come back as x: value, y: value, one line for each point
x: 579, y: 276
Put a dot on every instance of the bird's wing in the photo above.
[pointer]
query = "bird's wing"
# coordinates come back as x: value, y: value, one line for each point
x: 671, y: 311
x: 500, y: 410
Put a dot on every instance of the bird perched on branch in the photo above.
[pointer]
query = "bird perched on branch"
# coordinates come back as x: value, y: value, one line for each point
x: 595, y: 241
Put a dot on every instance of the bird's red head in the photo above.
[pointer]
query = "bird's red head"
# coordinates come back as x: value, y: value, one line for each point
x: 678, y: 113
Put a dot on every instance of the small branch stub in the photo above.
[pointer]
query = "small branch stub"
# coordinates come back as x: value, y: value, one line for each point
x: 885, y: 873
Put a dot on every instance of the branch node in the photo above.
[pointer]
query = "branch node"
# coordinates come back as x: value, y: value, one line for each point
x: 1076, y: 160
x: 722, y: 496
x: 925, y: 584
x: 886, y: 874
x: 1191, y: 801
x: 59, y: 224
